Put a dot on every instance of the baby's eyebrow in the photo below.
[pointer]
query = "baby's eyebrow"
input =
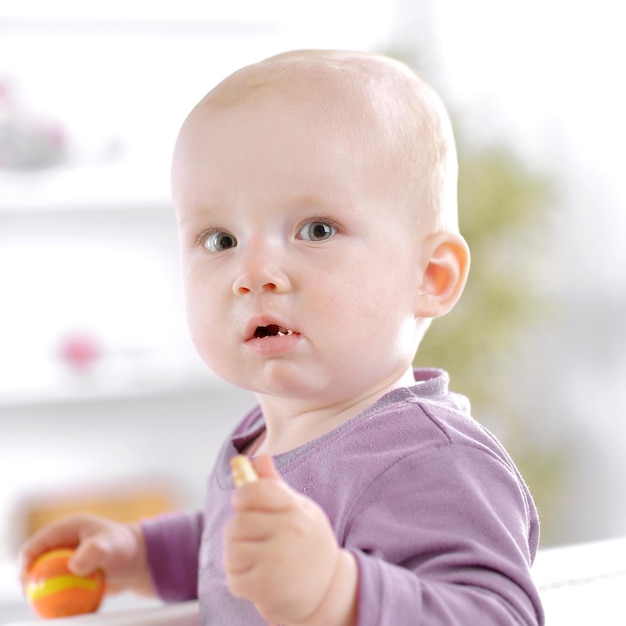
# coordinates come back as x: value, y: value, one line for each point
x: 319, y: 199
x: 333, y: 207
x: 193, y: 215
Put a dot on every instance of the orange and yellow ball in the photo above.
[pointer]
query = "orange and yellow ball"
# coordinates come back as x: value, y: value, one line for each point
x: 54, y: 591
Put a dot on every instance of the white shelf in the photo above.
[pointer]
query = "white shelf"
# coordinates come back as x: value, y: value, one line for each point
x: 119, y: 186
x: 108, y: 380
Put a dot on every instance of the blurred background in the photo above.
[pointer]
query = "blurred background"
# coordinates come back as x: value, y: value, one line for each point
x: 104, y: 405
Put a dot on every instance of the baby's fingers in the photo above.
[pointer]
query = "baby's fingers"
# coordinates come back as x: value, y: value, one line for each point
x: 65, y: 533
x: 265, y: 467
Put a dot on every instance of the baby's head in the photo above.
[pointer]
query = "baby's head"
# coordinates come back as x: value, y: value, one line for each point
x: 315, y: 193
x: 401, y: 124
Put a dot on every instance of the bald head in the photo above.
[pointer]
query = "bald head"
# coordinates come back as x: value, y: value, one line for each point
x: 403, y: 125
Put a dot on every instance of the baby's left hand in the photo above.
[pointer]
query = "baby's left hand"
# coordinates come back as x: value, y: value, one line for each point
x: 280, y: 553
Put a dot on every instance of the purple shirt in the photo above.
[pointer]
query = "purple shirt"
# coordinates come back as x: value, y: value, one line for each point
x: 441, y: 523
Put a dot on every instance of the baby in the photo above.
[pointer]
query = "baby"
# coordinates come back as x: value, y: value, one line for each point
x: 315, y: 193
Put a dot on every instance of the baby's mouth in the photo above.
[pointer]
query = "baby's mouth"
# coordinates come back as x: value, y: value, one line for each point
x: 273, y: 330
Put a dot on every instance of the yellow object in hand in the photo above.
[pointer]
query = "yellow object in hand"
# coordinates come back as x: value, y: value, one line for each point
x: 243, y: 471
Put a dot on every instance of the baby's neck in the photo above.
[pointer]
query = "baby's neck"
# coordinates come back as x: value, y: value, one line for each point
x: 292, y: 423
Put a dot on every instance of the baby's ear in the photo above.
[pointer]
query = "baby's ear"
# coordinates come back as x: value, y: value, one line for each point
x: 445, y: 268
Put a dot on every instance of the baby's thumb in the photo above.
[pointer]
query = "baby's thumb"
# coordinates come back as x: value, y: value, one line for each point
x: 265, y: 468
x: 88, y: 557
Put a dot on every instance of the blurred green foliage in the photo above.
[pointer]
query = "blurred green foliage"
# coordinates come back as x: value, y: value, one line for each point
x: 504, y: 212
x: 501, y: 207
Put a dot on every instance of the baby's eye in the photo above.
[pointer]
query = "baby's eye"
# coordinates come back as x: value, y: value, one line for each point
x: 218, y: 242
x: 317, y: 231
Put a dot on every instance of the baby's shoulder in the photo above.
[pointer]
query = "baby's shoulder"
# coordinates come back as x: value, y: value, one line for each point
x: 417, y: 434
x: 412, y: 423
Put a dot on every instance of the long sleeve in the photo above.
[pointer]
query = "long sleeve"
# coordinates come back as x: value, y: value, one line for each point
x: 173, y: 545
x: 449, y: 546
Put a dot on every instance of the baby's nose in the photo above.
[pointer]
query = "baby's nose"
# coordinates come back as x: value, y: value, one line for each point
x: 261, y: 272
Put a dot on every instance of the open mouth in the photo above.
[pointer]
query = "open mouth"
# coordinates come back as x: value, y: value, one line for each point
x: 273, y: 330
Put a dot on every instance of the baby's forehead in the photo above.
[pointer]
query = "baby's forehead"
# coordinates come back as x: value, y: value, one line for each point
x: 331, y: 79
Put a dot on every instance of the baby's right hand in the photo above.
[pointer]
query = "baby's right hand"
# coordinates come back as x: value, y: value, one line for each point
x: 117, y: 549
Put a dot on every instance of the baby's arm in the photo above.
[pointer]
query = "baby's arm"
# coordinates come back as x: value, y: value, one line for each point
x: 453, y: 542
x: 281, y: 554
x: 117, y: 549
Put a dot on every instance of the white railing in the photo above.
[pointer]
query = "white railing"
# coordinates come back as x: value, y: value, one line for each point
x: 184, y: 614
x: 581, y: 585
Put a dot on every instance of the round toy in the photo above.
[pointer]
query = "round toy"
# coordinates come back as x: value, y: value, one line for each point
x: 54, y: 591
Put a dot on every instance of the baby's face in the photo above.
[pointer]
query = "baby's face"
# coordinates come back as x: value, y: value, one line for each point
x: 301, y: 269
